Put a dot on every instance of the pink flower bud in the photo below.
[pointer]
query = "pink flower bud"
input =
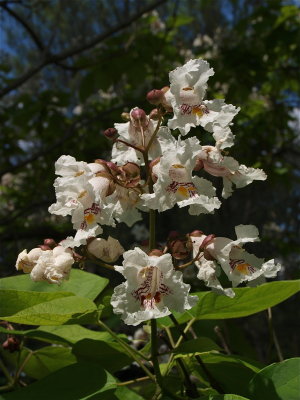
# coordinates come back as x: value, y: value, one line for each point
x: 138, y: 117
x: 12, y: 344
x: 178, y: 249
x: 155, y: 252
x: 207, y: 241
x: 196, y: 233
x: 44, y: 247
x: 155, y: 96
x: 50, y: 243
x: 199, y: 164
x: 111, y: 133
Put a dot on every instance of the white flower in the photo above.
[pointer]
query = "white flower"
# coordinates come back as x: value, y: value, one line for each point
x: 239, y: 265
x: 107, y: 250
x: 152, y: 288
x: 26, y: 261
x: 137, y: 135
x: 187, y: 91
x: 175, y: 183
x: 229, y: 169
x: 52, y: 266
x: 81, y: 192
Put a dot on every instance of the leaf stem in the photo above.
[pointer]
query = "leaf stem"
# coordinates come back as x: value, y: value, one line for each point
x: 6, y: 372
x: 133, y: 353
x: 214, y: 384
x: 273, y: 335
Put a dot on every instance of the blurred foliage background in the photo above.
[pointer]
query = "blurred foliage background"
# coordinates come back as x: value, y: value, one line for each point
x: 68, y: 69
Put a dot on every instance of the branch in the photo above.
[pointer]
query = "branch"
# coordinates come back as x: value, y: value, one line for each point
x: 25, y: 25
x: 55, y: 58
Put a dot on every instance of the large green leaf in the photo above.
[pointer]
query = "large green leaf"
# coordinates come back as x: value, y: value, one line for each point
x: 232, y: 373
x: 280, y: 381
x: 80, y: 381
x: 66, y: 334
x: 110, y: 354
x: 81, y: 283
x: 34, y: 308
x: 247, y: 301
x: 41, y: 362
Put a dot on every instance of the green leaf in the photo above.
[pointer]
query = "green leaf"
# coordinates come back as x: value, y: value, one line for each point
x: 123, y: 393
x: 34, y: 308
x: 81, y: 283
x: 77, y: 381
x: 42, y: 362
x: 279, y: 381
x: 199, y: 345
x: 112, y: 355
x: 231, y: 372
x: 65, y: 334
x: 224, y: 397
x: 247, y: 301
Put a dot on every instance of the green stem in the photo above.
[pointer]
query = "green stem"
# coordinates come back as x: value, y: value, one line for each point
x: 191, y: 388
x: 214, y: 384
x: 102, y: 264
x: 273, y: 335
x: 154, y: 346
x: 133, y: 353
x: 152, y: 229
x: 154, y: 134
x: 6, y: 373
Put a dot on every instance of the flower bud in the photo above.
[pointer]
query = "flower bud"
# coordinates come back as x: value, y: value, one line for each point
x: 107, y: 250
x: 50, y: 243
x: 155, y: 96
x: 178, y: 249
x: 173, y: 235
x: 44, y: 247
x: 207, y: 240
x: 111, y: 133
x: 199, y: 164
x: 155, y: 253
x: 11, y: 344
x: 196, y: 233
x: 154, y: 114
x: 138, y: 117
x: 125, y: 116
x: 114, y: 169
x: 165, y: 89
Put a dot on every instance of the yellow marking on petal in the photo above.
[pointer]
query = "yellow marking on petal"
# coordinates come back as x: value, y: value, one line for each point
x: 89, y: 218
x: 198, y: 111
x: 187, y: 88
x: 177, y: 166
x: 82, y: 194
x: 243, y: 268
x: 183, y: 191
x: 79, y: 173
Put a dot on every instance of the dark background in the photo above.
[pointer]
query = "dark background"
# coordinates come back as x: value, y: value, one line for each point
x: 68, y: 69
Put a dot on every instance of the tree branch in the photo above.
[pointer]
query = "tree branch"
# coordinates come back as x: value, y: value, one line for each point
x: 55, y: 58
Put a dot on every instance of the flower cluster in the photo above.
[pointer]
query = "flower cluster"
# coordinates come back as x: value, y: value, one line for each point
x: 151, y: 169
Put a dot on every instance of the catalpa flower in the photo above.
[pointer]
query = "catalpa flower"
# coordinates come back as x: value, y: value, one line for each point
x: 239, y: 265
x: 175, y: 183
x: 81, y: 192
x: 52, y: 266
x: 152, y: 288
x: 212, y: 161
x: 187, y: 91
x: 137, y: 132
x: 107, y: 250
